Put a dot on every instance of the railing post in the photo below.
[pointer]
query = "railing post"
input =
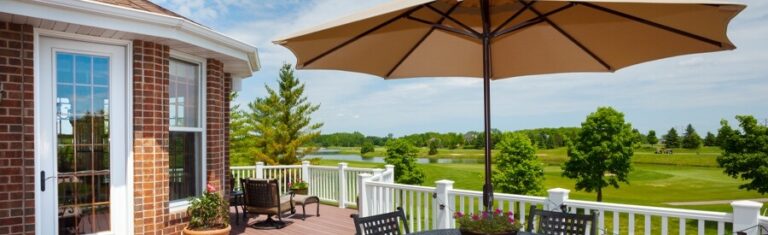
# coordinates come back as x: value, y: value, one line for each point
x: 556, y: 198
x: 305, y: 171
x: 745, y: 216
x: 342, y: 184
x: 390, y: 168
x: 442, y: 213
x: 260, y: 170
x: 362, y: 194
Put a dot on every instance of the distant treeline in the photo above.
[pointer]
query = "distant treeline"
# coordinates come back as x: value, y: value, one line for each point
x: 543, y: 138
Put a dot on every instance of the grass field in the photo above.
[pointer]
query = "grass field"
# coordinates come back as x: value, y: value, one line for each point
x: 655, y: 180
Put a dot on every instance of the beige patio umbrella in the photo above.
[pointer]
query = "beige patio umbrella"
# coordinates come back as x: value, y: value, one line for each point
x: 508, y: 38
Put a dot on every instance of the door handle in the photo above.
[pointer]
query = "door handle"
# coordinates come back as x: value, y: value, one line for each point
x: 42, y: 181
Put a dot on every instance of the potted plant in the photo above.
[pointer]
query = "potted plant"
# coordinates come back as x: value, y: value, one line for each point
x: 484, y: 223
x: 208, y: 214
x: 299, y: 187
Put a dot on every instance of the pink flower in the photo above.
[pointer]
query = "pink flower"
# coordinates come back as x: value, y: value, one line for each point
x: 475, y: 217
x: 210, y: 188
x: 458, y: 214
x: 498, y: 212
x: 511, y: 220
x: 485, y: 214
x: 510, y: 214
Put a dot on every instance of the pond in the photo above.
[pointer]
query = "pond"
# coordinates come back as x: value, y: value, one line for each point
x: 358, y: 158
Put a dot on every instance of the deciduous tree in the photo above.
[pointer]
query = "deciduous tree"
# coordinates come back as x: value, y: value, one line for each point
x: 710, y: 139
x: 518, y: 169
x: 651, y: 138
x: 601, y: 154
x: 402, y: 154
x: 745, y: 153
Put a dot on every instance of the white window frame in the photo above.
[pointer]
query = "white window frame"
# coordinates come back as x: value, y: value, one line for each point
x: 200, y: 162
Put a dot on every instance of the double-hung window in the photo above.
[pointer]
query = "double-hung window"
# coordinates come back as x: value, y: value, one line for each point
x: 186, y: 108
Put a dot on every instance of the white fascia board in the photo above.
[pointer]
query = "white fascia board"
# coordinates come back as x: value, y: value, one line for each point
x: 112, y: 17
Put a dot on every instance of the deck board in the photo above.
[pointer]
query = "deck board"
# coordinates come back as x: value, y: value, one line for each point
x: 332, y: 221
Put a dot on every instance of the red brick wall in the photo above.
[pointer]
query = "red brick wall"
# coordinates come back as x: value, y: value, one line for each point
x: 215, y: 136
x: 151, y: 137
x: 17, y: 160
x: 227, y: 100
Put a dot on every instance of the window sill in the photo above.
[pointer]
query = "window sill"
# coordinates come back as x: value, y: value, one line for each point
x: 178, y: 206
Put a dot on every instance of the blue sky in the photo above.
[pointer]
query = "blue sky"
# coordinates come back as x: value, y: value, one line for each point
x: 699, y: 89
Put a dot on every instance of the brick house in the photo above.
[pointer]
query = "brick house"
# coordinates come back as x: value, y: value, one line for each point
x: 113, y: 113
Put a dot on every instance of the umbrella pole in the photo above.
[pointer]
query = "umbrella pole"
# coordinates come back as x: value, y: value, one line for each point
x: 486, y: 37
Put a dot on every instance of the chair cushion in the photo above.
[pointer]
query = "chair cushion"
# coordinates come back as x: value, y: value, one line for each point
x: 305, y: 199
x: 285, y: 205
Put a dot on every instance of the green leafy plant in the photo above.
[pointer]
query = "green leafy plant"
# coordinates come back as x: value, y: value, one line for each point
x: 299, y: 184
x: 209, y: 211
x: 402, y: 154
x: 484, y: 222
x: 518, y: 169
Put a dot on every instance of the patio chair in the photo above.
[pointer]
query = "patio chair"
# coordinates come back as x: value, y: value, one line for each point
x: 262, y: 197
x: 561, y: 223
x: 383, y: 224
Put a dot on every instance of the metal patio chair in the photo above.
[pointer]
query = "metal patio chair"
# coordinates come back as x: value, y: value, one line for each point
x: 382, y: 224
x: 561, y: 223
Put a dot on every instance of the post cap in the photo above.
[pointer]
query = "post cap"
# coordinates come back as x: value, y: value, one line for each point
x: 259, y: 163
x: 444, y: 182
x: 304, y: 162
x: 747, y: 204
x: 343, y: 164
x: 558, y: 190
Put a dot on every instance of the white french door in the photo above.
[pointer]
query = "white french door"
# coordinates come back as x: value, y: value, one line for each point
x: 81, y: 130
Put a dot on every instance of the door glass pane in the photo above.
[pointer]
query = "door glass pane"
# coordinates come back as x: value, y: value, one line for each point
x: 82, y: 122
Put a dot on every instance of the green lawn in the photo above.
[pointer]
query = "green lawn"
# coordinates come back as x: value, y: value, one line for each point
x: 655, y: 179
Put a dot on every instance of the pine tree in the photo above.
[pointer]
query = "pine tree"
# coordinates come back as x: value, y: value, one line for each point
x: 671, y: 139
x: 710, y: 139
x: 691, y: 140
x: 281, y: 121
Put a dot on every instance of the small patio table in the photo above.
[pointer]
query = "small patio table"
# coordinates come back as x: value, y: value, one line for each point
x: 455, y: 232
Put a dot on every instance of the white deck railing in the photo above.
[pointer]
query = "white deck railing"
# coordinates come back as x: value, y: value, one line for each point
x: 433, y: 207
x: 331, y: 184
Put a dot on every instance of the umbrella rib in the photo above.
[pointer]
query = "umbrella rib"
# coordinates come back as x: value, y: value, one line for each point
x: 447, y: 16
x: 654, y: 24
x: 431, y: 29
x: 513, y: 17
x: 531, y: 22
x: 443, y: 27
x: 573, y: 40
x: 371, y: 30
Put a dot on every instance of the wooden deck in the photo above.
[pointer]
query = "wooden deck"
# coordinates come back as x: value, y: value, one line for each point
x: 332, y: 221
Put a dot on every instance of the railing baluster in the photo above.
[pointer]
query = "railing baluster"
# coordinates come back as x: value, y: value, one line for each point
x: 418, y: 210
x: 601, y: 220
x: 410, y: 207
x: 647, y: 226
x: 720, y: 228
x: 701, y: 227
x: 615, y: 222
x: 664, y: 225
x: 522, y: 212
x: 681, y: 224
x: 631, y: 224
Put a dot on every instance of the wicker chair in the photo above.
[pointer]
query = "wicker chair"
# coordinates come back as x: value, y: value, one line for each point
x: 561, y: 223
x: 262, y: 197
x: 383, y: 224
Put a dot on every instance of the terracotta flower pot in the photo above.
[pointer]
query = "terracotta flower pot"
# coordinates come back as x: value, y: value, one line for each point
x: 466, y: 232
x: 223, y: 231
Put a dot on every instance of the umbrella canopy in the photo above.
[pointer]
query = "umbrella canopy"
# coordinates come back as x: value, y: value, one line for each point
x: 508, y: 38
